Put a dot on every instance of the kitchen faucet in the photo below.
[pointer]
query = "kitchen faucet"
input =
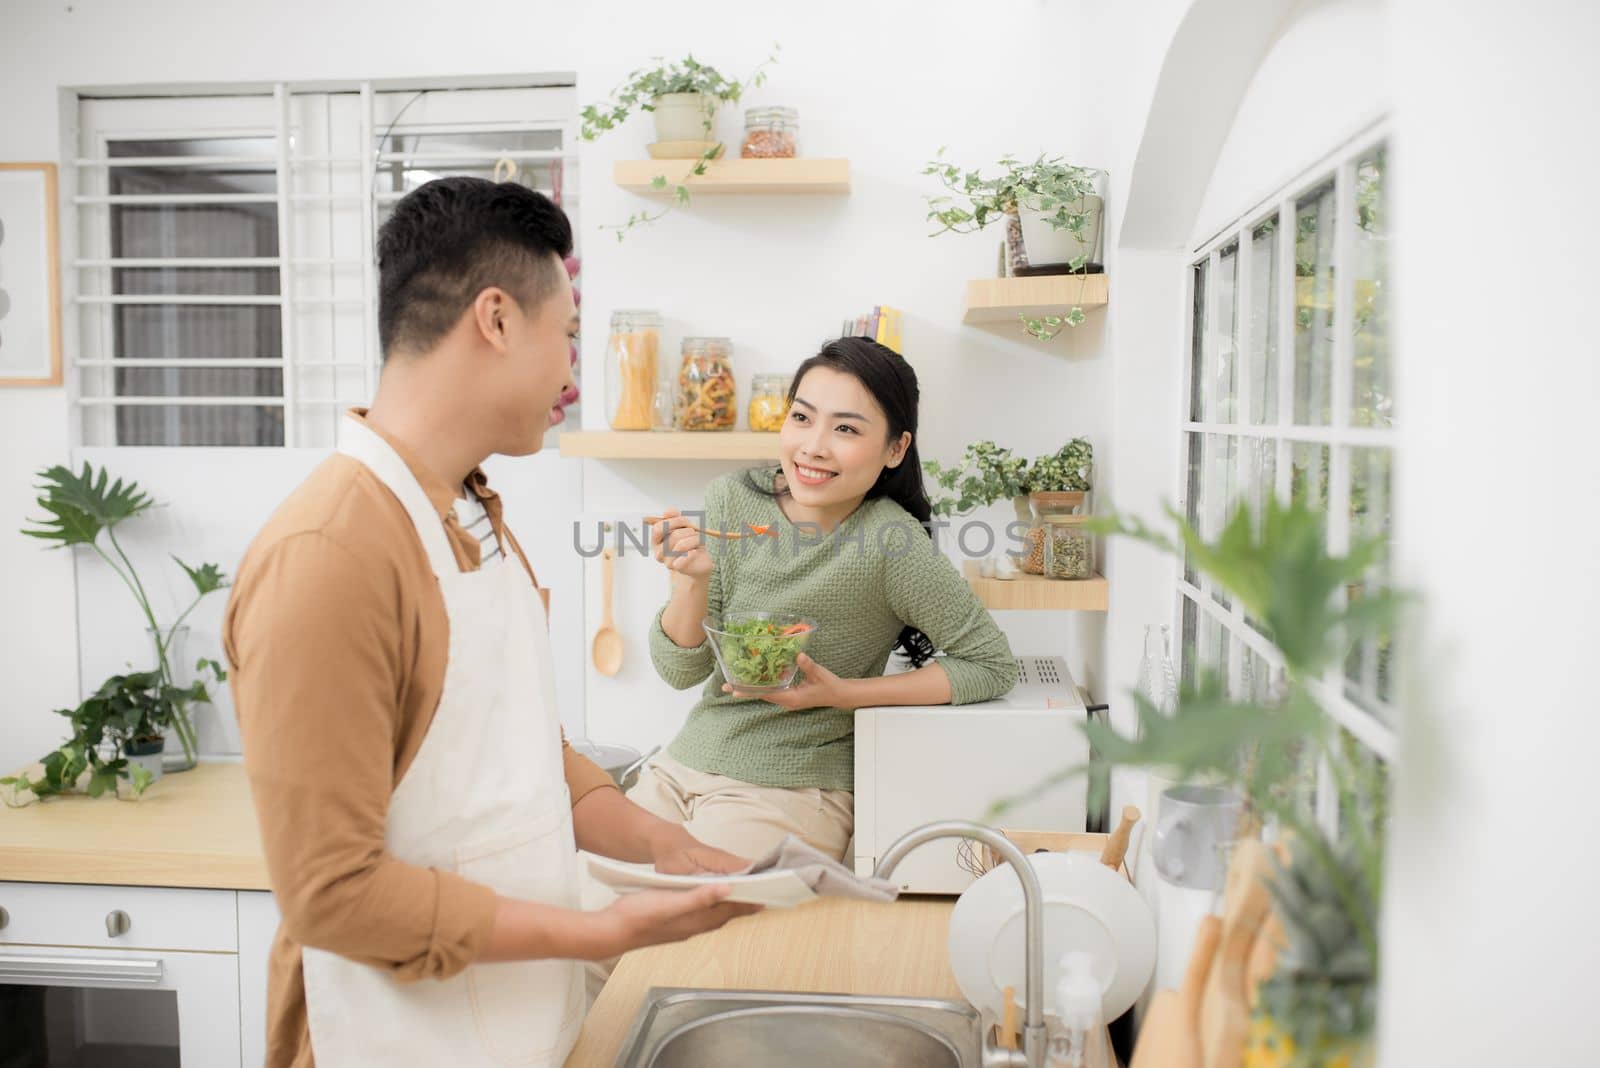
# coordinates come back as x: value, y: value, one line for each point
x: 1033, y: 1035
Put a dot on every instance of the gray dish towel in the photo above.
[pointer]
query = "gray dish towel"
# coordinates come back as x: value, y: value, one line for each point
x: 826, y: 876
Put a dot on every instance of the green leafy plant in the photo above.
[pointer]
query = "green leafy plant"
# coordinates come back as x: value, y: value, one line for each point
x: 1277, y: 567
x: 80, y: 508
x: 1054, y: 188
x: 641, y: 91
x: 127, y: 709
x: 1068, y: 468
x: 989, y: 473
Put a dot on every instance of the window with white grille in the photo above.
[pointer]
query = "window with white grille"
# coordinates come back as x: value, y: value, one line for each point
x: 224, y: 284
x: 1289, y: 393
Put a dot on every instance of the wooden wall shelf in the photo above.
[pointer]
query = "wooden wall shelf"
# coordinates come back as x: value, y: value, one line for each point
x: 813, y: 176
x: 669, y: 445
x: 993, y: 300
x: 1038, y: 594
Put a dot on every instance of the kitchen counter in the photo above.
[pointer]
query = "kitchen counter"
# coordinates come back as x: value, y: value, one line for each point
x: 833, y: 946
x: 192, y: 829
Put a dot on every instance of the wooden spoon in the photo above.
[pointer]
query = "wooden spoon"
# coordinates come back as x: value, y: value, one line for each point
x: 730, y: 535
x: 607, y: 651
x: 1008, y: 1020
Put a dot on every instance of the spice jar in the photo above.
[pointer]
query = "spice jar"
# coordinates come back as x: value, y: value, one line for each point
x: 706, y: 391
x: 769, y: 402
x: 1048, y: 505
x: 771, y: 133
x: 1068, y: 548
x: 631, y: 368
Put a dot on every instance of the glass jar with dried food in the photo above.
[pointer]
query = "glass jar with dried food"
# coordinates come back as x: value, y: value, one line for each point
x: 1068, y: 548
x: 632, y: 366
x: 771, y: 133
x: 769, y: 402
x: 706, y: 391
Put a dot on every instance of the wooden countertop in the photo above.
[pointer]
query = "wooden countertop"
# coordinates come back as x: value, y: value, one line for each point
x: 195, y: 828
x: 833, y: 946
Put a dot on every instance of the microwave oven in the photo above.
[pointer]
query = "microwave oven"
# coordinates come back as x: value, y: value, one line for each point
x: 918, y: 764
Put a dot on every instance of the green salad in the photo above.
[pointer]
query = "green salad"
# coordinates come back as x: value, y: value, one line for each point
x: 759, y: 652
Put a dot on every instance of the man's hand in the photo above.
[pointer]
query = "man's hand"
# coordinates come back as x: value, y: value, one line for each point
x: 675, y: 851
x: 817, y: 688
x: 651, y: 917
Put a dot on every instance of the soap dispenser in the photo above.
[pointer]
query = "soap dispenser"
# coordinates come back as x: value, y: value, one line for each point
x: 1077, y: 1035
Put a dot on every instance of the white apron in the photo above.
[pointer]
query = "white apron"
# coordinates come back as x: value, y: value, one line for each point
x: 486, y: 797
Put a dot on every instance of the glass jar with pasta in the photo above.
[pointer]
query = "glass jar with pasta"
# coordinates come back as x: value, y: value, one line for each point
x: 706, y: 391
x: 632, y: 368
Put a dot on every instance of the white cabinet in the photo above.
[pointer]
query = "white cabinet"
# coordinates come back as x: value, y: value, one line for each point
x: 258, y: 924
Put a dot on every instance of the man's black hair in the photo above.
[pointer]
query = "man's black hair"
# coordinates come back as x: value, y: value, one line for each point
x: 452, y: 238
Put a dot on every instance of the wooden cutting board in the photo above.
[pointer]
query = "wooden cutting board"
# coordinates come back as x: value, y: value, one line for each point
x: 1170, y: 1037
x: 1224, y: 1001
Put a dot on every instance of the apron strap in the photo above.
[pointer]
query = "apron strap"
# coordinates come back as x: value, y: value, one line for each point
x: 360, y: 441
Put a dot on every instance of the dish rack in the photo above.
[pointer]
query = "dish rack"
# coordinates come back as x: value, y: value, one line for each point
x: 980, y: 859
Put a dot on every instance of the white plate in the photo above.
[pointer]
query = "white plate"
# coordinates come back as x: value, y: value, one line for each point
x: 774, y: 889
x: 1087, y: 906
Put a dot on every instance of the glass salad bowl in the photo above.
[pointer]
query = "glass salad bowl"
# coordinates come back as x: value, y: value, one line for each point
x: 757, y: 651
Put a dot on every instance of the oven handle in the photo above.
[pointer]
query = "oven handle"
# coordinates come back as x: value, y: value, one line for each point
x: 18, y: 968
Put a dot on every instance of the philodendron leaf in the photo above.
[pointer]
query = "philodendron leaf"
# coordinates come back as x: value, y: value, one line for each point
x: 141, y: 779
x: 82, y: 505
x: 207, y: 578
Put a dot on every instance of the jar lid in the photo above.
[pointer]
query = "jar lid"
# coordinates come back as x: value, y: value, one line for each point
x: 706, y: 342
x: 758, y: 116
x: 643, y: 315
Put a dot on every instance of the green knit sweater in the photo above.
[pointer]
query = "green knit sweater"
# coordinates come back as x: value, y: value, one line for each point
x: 877, y: 572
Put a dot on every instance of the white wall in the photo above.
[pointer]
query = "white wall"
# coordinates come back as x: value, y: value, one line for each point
x: 885, y: 85
x: 38, y: 639
x: 1491, y: 957
x: 1325, y: 78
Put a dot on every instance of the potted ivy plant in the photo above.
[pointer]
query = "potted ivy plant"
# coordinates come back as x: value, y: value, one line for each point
x: 1060, y: 482
x: 1054, y: 201
x: 683, y: 97
x: 989, y: 473
x: 117, y: 734
x: 80, y: 508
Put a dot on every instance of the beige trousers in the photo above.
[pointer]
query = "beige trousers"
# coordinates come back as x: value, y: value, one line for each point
x: 745, y: 820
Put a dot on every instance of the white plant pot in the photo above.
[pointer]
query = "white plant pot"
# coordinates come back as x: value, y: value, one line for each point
x: 685, y: 116
x: 1046, y: 245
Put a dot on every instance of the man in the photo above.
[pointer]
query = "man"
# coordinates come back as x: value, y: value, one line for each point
x: 418, y: 805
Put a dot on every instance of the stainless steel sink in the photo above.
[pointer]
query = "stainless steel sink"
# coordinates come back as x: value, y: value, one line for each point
x: 683, y: 1028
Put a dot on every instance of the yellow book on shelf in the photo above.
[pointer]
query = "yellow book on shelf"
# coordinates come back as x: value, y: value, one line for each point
x: 890, y: 334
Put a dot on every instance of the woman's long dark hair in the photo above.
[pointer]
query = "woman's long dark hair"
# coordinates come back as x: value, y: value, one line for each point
x: 893, y: 384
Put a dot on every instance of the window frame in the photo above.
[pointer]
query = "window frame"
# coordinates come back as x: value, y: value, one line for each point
x: 1339, y: 436
x: 306, y: 194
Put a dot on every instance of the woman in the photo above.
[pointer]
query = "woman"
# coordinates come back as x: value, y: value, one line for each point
x: 850, y: 550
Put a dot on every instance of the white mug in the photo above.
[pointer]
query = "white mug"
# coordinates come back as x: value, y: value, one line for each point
x: 1192, y: 827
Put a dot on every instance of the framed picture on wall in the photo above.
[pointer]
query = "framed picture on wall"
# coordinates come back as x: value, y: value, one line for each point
x: 30, y: 280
